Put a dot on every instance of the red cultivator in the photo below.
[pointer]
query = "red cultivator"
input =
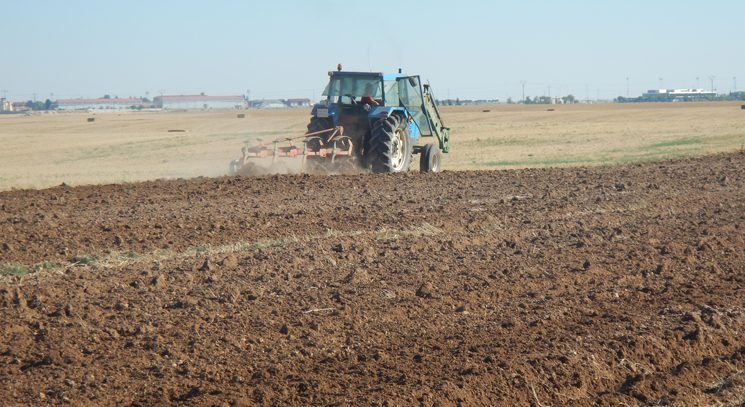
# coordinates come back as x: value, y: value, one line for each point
x: 326, y: 148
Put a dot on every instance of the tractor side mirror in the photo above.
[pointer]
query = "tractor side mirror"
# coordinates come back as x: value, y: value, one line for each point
x: 412, y: 82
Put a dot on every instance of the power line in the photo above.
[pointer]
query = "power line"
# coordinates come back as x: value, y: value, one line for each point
x: 523, y: 82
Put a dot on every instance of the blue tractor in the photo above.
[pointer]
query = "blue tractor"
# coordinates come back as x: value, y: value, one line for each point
x: 369, y: 120
x: 384, y: 116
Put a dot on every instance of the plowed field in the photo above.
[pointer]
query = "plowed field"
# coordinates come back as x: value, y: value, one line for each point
x: 575, y: 286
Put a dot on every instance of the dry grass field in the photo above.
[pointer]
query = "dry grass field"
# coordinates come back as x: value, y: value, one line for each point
x: 45, y: 150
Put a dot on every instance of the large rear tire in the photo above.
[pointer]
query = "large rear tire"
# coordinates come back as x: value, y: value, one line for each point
x: 390, y: 147
x: 430, y: 160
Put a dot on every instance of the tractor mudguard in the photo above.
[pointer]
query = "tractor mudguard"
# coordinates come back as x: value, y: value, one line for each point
x: 383, y: 112
x: 413, y: 131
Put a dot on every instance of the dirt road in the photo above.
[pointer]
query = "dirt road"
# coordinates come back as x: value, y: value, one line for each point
x: 576, y: 286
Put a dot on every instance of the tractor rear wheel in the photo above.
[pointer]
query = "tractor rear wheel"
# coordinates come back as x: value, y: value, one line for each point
x: 430, y: 159
x: 390, y: 147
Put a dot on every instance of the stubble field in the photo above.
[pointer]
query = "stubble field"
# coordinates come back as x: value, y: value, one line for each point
x: 47, y: 150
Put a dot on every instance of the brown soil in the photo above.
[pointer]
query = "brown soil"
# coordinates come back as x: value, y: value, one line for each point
x: 602, y: 286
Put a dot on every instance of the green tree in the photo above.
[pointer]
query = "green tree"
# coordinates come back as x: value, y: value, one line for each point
x: 569, y: 99
x: 35, y: 105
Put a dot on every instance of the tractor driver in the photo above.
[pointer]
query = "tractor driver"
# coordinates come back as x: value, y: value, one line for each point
x: 368, y: 96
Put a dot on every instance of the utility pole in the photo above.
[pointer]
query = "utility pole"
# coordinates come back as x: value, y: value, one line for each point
x: 711, y: 80
x: 627, y: 87
x: 34, y: 97
x: 523, y: 82
x: 587, y: 93
x: 5, y: 94
x: 549, y: 91
x: 698, y: 83
x: 734, y: 84
x: 661, y: 83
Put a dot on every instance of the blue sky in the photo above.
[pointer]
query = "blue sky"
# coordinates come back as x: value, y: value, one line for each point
x: 279, y: 49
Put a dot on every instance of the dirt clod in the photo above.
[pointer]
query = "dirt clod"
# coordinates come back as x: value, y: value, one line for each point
x: 357, y: 276
x: 206, y: 265
x: 230, y: 262
x: 425, y: 290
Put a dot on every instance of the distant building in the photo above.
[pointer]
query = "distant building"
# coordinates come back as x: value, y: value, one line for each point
x: 297, y: 102
x: 5, y: 105
x: 199, y: 102
x: 268, y: 104
x: 677, y: 95
x: 279, y: 103
x: 99, y: 104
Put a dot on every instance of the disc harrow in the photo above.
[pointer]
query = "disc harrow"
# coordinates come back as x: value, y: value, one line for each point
x: 324, y: 147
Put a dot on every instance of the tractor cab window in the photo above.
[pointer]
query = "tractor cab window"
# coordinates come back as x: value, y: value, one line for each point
x: 410, y: 93
x: 391, y: 93
x: 348, y: 89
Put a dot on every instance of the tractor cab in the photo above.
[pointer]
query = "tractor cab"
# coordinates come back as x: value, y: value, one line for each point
x: 351, y: 88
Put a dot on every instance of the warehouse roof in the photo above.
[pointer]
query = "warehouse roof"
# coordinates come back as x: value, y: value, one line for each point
x: 200, y: 98
x: 98, y: 100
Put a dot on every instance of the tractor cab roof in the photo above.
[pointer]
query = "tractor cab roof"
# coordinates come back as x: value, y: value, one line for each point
x: 385, y: 76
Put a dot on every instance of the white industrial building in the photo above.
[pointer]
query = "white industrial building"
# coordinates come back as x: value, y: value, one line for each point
x: 279, y: 103
x: 5, y: 105
x: 99, y: 104
x: 199, y: 102
x: 678, y: 94
x: 297, y: 102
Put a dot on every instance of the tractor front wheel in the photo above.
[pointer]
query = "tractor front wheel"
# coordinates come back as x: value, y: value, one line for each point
x: 317, y: 165
x: 318, y: 124
x: 390, y: 147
